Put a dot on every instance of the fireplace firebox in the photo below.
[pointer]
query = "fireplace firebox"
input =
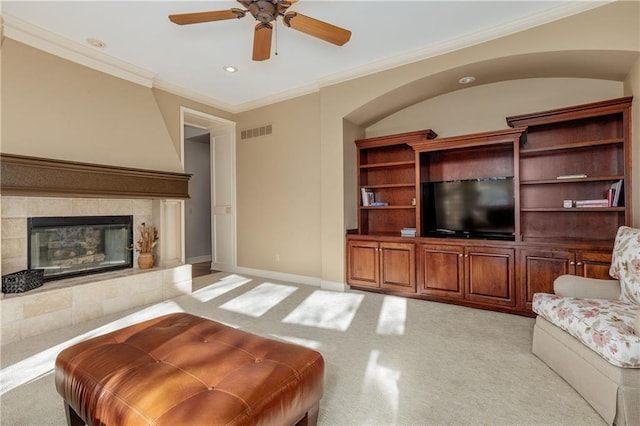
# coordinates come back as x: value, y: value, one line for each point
x: 79, y: 245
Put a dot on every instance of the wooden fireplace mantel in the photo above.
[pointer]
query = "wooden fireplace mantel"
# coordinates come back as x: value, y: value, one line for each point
x: 33, y: 176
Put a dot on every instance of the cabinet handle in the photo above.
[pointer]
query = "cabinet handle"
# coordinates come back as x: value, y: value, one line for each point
x: 579, y: 263
x: 572, y: 263
x: 460, y: 255
x: 466, y: 255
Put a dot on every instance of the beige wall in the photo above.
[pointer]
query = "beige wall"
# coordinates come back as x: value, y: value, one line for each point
x: 484, y: 108
x: 351, y: 193
x: 278, y: 188
x: 54, y: 108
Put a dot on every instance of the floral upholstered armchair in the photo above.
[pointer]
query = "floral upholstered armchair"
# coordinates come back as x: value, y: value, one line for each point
x: 603, y: 316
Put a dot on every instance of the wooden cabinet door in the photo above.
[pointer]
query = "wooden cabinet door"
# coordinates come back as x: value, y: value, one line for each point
x: 490, y: 275
x: 593, y: 264
x: 539, y: 268
x: 441, y: 270
x: 363, y: 265
x: 398, y: 266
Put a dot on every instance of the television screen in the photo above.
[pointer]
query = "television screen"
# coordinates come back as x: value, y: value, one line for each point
x: 481, y: 208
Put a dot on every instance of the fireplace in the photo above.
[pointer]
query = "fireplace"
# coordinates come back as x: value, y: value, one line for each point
x: 79, y: 245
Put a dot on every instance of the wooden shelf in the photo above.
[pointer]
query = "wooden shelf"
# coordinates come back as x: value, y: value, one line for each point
x: 390, y: 185
x: 573, y: 209
x: 559, y: 148
x: 392, y: 207
x: 388, y: 165
x: 577, y: 180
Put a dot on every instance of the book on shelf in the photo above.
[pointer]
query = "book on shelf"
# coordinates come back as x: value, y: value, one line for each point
x: 600, y: 202
x: 367, y: 196
x: 408, y: 232
x: 617, y: 189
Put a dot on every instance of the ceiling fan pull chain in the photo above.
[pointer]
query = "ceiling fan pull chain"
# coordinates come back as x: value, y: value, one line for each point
x: 276, y: 54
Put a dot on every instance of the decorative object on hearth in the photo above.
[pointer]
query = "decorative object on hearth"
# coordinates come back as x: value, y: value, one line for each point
x: 25, y: 280
x: 266, y: 12
x: 145, y: 260
x: 147, y: 240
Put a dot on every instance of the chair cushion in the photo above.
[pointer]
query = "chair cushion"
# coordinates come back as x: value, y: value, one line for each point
x: 605, y: 326
x: 625, y: 265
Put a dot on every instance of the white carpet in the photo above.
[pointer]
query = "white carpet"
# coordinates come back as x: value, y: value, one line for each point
x: 389, y: 360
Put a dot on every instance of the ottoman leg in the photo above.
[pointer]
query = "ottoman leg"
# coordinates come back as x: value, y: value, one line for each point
x: 73, y: 419
x: 311, y: 417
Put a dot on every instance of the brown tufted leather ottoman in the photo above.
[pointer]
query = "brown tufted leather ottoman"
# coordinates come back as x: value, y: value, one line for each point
x: 181, y: 369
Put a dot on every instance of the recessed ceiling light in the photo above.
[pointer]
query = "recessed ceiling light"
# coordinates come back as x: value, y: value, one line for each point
x: 96, y: 43
x: 467, y: 80
x: 229, y: 68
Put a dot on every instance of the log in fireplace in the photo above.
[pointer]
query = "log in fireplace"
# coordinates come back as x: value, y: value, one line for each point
x: 79, y: 245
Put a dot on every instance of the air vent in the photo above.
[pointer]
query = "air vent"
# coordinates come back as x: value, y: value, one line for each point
x: 256, y: 132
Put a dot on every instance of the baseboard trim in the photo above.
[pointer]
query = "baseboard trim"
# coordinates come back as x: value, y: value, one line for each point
x: 281, y: 276
x: 333, y: 286
x: 199, y: 259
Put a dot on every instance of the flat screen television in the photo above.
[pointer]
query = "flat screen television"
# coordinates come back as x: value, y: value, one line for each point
x: 473, y: 208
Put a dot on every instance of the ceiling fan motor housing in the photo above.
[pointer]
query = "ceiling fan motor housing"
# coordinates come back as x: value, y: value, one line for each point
x: 263, y: 10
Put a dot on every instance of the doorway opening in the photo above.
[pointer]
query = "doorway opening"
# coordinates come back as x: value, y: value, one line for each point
x: 208, y: 153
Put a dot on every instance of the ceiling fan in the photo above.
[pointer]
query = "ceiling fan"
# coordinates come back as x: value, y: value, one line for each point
x: 266, y: 12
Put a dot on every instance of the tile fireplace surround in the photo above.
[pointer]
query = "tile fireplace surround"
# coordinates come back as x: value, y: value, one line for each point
x: 74, y: 300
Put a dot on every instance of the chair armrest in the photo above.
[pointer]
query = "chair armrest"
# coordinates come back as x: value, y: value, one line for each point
x: 586, y: 288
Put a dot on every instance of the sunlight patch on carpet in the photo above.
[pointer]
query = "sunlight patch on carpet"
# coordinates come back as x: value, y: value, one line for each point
x: 381, y: 385
x: 257, y: 301
x: 42, y: 363
x: 307, y: 343
x: 393, y: 316
x: 326, y: 309
x: 219, y: 288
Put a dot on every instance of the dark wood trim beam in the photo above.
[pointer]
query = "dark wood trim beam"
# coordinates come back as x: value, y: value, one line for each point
x: 41, y: 177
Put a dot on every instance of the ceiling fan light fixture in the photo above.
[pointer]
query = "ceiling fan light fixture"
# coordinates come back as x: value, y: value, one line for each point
x: 466, y: 80
x: 230, y: 69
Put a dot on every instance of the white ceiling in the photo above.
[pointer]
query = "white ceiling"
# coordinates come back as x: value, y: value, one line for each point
x: 189, y: 59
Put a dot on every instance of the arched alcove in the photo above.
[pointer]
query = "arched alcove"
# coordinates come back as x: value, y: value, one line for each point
x: 586, y: 64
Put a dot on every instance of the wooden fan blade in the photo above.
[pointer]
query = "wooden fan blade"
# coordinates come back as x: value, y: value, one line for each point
x: 262, y: 42
x: 199, y: 17
x: 317, y: 28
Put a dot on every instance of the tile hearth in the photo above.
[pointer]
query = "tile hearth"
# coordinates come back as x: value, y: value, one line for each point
x: 72, y: 301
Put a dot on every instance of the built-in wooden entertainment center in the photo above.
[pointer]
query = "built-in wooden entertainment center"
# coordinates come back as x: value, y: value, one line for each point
x: 577, y: 153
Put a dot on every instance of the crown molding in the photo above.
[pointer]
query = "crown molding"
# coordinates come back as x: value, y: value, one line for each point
x: 234, y: 109
x: 280, y: 96
x: 193, y: 95
x: 31, y: 35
